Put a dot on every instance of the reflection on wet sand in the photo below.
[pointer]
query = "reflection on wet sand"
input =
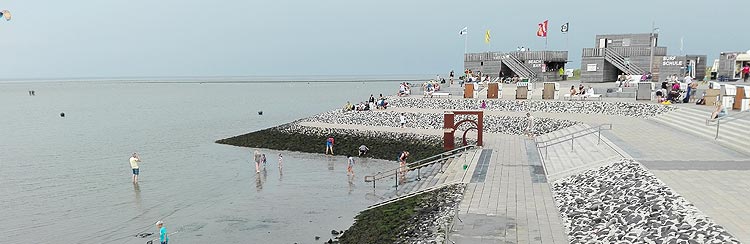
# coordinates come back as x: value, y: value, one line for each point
x: 351, y: 184
x: 137, y: 191
x: 281, y: 173
x: 260, y: 178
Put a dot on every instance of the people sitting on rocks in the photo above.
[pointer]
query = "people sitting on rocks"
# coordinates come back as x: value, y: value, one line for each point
x: 428, y: 88
x: 404, y: 90
x: 348, y: 106
x: 381, y: 103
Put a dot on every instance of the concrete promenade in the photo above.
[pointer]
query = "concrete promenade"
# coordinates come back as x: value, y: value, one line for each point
x: 513, y: 203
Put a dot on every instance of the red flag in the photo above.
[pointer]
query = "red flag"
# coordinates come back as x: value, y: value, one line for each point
x: 542, y: 31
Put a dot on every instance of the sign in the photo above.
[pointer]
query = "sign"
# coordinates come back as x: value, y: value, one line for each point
x: 535, y: 63
x: 591, y: 67
x: 671, y: 61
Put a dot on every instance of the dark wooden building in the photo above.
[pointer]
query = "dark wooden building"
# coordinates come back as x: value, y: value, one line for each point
x: 631, y: 54
x: 539, y: 65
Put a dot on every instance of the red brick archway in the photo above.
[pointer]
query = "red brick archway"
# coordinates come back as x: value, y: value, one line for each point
x: 450, y: 126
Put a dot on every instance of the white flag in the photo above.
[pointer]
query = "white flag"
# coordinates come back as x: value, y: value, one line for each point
x: 464, y: 31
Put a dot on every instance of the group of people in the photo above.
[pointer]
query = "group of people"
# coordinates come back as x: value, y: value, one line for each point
x: 404, y: 89
x: 581, y: 91
x: 368, y: 105
x: 260, y: 159
x: 671, y: 90
x: 363, y: 150
x: 430, y: 87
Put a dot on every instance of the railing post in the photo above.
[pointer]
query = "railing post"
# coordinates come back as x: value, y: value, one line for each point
x: 572, y: 138
x: 718, y: 121
x: 396, y: 176
x: 373, y: 183
x: 600, y: 136
x: 419, y: 175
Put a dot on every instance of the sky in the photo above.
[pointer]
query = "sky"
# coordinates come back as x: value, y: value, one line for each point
x: 167, y: 38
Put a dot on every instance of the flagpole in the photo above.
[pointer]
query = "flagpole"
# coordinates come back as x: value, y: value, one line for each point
x: 466, y: 41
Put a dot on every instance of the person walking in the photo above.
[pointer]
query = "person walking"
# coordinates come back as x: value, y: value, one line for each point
x: 163, y: 238
x: 402, y: 120
x: 257, y: 158
x: 530, y: 125
x: 134, y: 160
x: 263, y: 159
x: 350, y: 165
x: 281, y: 161
x: 329, y: 145
x: 745, y: 72
x: 402, y: 161
x: 451, y: 77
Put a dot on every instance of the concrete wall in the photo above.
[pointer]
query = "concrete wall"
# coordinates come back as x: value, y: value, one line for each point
x: 592, y: 76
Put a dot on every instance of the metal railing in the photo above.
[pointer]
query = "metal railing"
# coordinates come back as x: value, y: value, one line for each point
x: 625, y: 51
x: 725, y: 119
x: 571, y: 137
x: 418, y: 165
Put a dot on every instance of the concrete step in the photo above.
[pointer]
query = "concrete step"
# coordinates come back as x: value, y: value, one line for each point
x: 732, y: 134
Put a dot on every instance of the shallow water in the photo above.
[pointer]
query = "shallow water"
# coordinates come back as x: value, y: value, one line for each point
x: 67, y: 180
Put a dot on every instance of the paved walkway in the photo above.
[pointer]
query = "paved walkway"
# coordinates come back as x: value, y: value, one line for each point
x: 512, y: 204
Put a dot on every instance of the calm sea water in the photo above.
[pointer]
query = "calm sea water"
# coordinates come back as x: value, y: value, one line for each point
x: 67, y: 180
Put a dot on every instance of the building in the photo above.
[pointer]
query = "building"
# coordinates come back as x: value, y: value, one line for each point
x: 631, y: 54
x: 730, y: 65
x: 539, y: 65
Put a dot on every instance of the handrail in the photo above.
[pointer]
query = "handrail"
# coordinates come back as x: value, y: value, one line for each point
x: 572, y: 136
x: 718, y: 121
x: 419, y: 164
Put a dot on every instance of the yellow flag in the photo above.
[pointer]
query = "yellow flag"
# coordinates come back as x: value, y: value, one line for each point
x: 487, y: 37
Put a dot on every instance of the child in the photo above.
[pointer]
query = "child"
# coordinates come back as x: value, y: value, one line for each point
x: 350, y: 165
x: 263, y: 159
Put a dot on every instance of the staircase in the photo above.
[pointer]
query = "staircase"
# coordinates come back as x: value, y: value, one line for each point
x: 618, y: 61
x: 734, y: 131
x: 431, y: 177
x: 517, y: 66
x: 585, y: 152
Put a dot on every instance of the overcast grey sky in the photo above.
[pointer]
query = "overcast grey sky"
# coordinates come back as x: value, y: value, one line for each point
x: 136, y: 38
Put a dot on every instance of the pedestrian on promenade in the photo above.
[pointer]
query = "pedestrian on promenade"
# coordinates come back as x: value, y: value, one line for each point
x: 530, y: 125
x: 163, y: 238
x: 350, y: 165
x: 745, y: 72
x: 134, y: 160
x: 329, y: 145
x: 281, y: 161
x: 256, y: 158
x: 402, y: 120
x: 451, y: 77
x: 363, y: 150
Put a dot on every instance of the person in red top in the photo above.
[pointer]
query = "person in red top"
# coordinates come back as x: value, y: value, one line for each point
x: 329, y: 145
x: 746, y: 72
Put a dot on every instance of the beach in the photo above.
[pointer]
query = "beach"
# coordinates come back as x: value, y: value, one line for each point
x: 67, y: 180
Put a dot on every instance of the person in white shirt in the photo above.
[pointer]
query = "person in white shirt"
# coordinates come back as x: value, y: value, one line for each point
x: 134, y: 160
x: 688, y: 79
x: 402, y: 120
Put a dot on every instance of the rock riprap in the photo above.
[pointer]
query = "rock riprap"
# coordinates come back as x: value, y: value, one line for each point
x: 582, y: 107
x: 492, y: 124
x: 421, y: 218
x: 625, y: 203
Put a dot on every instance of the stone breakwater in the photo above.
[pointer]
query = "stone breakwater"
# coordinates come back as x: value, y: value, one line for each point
x: 420, y: 218
x: 492, y: 124
x: 625, y: 203
x: 580, y: 107
x: 383, y: 145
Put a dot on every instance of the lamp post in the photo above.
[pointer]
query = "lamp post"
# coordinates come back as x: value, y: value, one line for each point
x: 652, y: 41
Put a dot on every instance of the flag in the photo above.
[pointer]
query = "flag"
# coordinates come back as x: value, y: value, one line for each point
x: 463, y: 31
x: 487, y: 37
x: 564, y: 28
x: 542, y: 31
